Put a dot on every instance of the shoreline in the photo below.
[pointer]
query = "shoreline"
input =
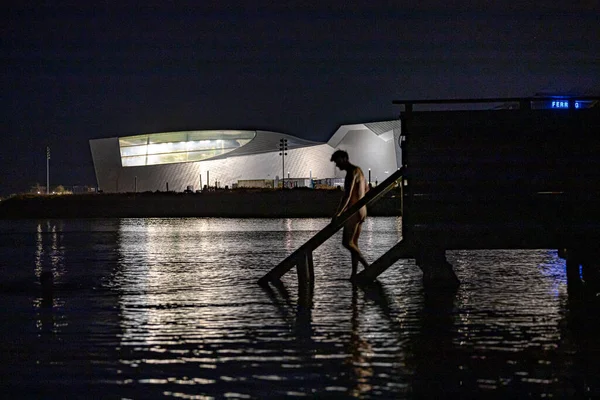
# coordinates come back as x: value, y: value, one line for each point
x: 292, y: 203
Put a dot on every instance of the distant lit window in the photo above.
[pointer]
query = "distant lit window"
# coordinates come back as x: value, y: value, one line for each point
x: 178, y: 147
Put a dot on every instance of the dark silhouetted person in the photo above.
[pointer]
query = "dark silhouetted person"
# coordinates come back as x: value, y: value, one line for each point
x: 355, y: 187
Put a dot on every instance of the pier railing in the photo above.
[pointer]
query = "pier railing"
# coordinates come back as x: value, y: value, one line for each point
x: 302, y: 258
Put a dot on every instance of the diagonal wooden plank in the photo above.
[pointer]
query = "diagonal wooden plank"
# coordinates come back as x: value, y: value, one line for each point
x: 318, y: 239
x: 402, y: 249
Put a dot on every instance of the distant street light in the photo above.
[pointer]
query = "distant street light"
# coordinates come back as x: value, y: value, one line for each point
x: 47, y: 169
x: 283, y: 152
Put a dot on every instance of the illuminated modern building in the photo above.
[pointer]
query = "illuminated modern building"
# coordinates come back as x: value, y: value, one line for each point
x: 177, y: 160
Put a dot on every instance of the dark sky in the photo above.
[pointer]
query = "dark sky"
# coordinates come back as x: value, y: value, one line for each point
x: 74, y: 72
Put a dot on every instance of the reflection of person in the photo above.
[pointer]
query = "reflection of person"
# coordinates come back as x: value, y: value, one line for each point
x: 355, y: 187
x: 359, y: 355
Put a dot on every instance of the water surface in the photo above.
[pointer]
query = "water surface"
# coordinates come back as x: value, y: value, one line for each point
x: 144, y: 308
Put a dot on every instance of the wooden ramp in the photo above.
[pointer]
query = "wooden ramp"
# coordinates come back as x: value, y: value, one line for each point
x: 302, y: 258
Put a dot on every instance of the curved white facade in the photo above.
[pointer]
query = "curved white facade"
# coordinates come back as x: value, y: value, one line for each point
x: 151, y: 162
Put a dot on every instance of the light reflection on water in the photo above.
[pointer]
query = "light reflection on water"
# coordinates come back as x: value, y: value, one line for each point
x: 170, y: 307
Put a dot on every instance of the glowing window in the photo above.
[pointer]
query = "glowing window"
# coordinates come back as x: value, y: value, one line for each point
x: 177, y: 147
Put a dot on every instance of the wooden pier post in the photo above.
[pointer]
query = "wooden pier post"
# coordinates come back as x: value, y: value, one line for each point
x: 302, y: 271
x: 437, y: 271
x: 311, y: 267
x: 305, y: 269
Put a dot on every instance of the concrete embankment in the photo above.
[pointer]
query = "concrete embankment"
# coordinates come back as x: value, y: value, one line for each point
x: 226, y: 203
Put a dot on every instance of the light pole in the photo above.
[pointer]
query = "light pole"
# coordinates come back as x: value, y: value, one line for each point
x: 283, y: 152
x: 47, y: 169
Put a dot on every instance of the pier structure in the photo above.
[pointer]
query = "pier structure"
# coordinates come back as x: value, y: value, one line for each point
x: 523, y: 175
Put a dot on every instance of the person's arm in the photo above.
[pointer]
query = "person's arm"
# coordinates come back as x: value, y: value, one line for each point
x: 346, y: 198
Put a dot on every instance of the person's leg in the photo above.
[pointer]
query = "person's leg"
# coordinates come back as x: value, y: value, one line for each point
x: 347, y: 237
x: 357, y: 252
x: 350, y: 241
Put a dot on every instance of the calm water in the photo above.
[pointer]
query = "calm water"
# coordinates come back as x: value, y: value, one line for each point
x: 145, y: 308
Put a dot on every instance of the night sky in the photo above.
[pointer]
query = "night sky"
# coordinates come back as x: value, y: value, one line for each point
x: 76, y: 72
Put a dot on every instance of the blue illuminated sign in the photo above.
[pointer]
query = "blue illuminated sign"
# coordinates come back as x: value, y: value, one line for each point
x: 563, y: 104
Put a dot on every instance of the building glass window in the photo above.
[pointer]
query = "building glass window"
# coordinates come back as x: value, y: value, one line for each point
x: 178, y: 147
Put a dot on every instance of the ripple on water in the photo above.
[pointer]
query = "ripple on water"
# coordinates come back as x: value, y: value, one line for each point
x: 170, y: 307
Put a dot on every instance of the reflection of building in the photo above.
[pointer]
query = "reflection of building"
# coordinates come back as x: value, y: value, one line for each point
x: 176, y: 160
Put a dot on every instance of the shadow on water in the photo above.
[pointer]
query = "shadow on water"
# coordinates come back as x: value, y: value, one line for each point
x: 351, y: 378
x: 434, y: 357
x: 378, y: 294
x: 361, y: 374
x: 431, y: 358
x: 580, y: 345
x: 301, y: 319
x: 430, y: 353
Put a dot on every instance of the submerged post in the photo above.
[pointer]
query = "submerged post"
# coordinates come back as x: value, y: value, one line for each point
x: 302, y: 271
x: 437, y: 271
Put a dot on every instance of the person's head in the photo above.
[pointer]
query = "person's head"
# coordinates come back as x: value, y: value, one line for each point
x: 340, y: 158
